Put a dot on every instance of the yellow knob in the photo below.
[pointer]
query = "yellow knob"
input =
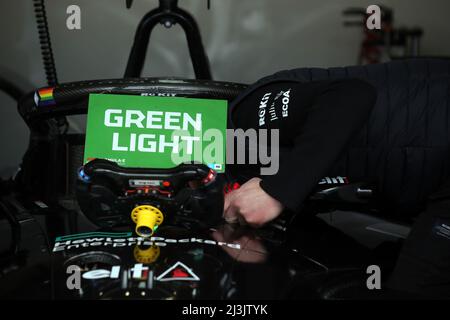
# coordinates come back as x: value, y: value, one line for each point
x: 147, y: 219
x: 146, y: 256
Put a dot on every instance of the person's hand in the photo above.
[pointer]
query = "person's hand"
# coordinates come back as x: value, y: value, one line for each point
x: 252, y: 204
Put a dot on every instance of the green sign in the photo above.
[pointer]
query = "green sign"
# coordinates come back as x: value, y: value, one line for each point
x: 156, y: 132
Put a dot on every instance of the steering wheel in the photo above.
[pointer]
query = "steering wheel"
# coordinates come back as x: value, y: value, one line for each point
x: 49, y: 165
x: 71, y: 98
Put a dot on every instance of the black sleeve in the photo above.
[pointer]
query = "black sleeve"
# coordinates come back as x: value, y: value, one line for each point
x: 321, y: 119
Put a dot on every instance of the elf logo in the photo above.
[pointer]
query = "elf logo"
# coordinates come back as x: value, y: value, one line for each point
x: 177, y: 272
x: 334, y: 180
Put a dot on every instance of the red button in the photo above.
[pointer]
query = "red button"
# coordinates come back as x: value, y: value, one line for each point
x: 166, y: 183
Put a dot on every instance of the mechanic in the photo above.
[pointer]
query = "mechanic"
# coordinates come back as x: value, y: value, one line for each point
x: 316, y: 121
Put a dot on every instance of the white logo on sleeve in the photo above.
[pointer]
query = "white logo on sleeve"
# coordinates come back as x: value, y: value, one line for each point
x: 262, y: 108
x: 285, y: 103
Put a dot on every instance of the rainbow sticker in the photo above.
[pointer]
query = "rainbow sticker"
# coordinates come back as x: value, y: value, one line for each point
x: 44, y: 97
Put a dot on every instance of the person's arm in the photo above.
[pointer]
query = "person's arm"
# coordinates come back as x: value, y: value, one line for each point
x: 336, y: 115
x: 323, y: 118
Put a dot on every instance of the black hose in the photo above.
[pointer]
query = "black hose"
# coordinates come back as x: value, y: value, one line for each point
x: 47, y: 52
x: 44, y: 39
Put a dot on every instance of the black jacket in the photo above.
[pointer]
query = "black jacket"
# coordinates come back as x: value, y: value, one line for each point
x: 404, y: 144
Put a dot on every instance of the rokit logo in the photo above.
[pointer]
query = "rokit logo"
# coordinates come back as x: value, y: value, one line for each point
x: 120, y: 240
x: 262, y: 108
x: 159, y: 94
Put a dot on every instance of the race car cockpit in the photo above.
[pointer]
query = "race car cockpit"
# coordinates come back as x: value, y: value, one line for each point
x: 75, y: 229
x: 135, y: 225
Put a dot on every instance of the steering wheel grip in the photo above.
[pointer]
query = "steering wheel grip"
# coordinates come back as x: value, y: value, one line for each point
x: 72, y: 98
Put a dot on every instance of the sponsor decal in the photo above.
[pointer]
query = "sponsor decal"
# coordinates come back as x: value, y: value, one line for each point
x: 178, y: 272
x: 125, y: 239
x: 41, y: 204
x: 262, y: 108
x: 144, y: 183
x: 159, y: 94
x: 138, y: 271
x: 280, y: 102
x: 215, y: 166
x: 285, y: 97
x: 94, y: 234
x: 441, y: 229
x: 334, y: 180
x: 285, y: 103
x: 44, y: 97
x: 156, y: 131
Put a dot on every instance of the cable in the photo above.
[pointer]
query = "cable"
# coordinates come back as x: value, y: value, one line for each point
x: 47, y: 53
x: 44, y: 39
